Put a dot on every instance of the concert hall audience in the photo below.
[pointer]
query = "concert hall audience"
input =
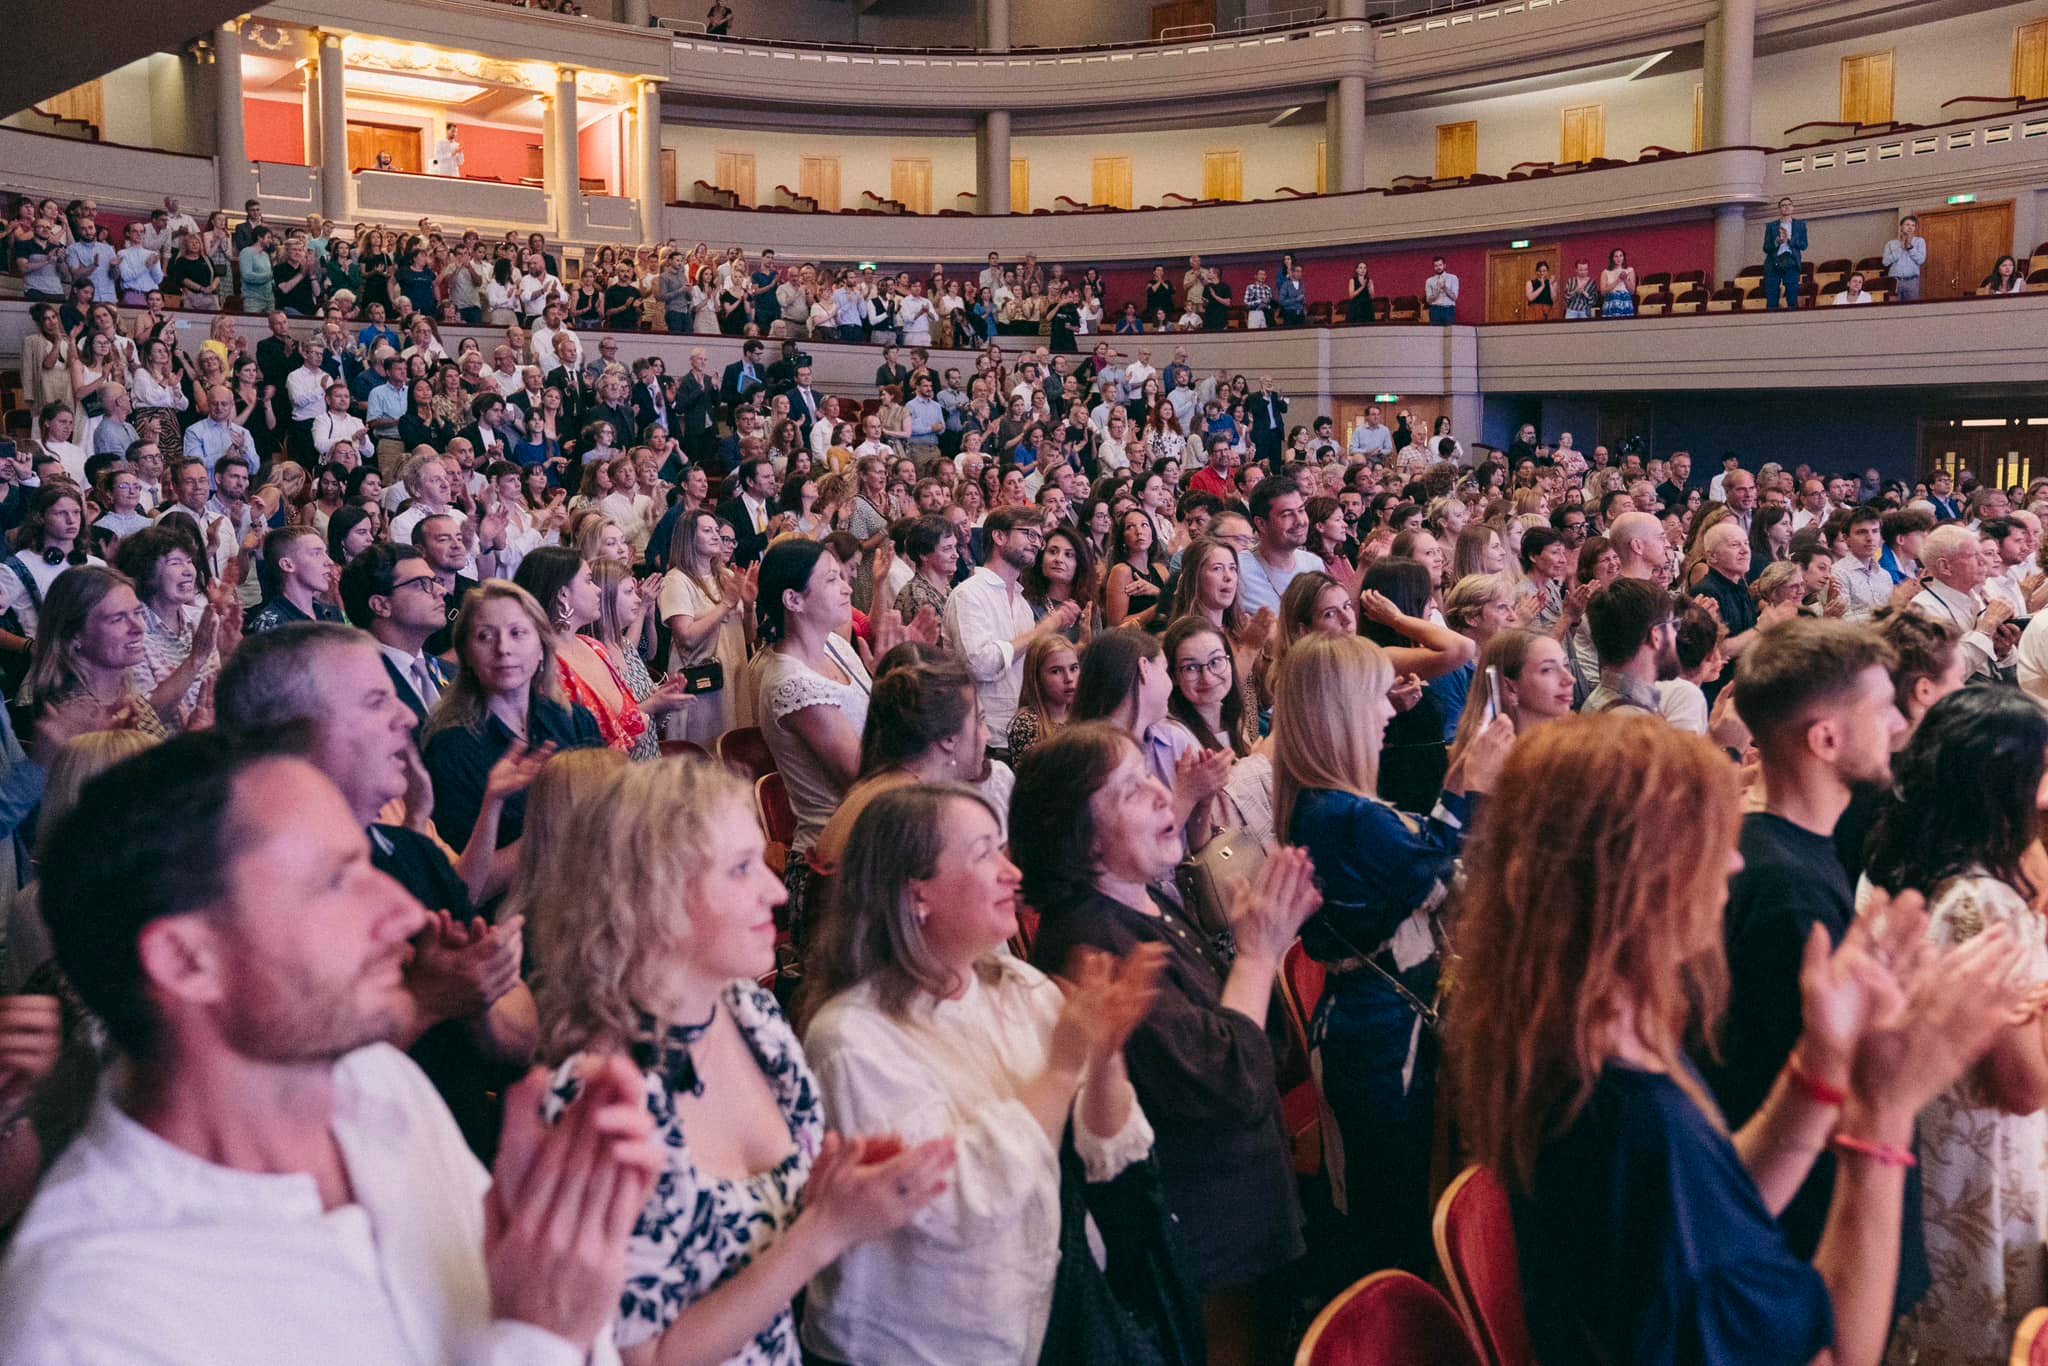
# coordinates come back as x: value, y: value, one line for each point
x: 989, y: 740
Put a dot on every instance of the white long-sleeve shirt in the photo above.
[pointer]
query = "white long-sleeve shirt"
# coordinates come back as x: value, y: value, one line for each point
x: 1944, y: 603
x: 139, y: 1253
x: 983, y: 618
x: 1866, y: 586
x: 970, y: 1278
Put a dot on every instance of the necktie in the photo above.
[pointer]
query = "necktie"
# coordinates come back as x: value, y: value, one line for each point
x: 423, y: 681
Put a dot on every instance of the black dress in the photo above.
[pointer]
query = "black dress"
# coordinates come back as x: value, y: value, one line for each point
x: 1205, y: 1078
x: 1358, y: 309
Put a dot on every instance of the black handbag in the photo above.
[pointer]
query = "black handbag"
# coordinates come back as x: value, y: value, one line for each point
x: 1141, y: 1308
x: 704, y: 678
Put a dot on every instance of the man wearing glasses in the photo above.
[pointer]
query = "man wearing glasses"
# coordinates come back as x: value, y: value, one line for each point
x: 394, y: 594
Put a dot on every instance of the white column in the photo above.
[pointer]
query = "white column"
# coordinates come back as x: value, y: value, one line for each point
x: 1730, y: 74
x: 308, y: 45
x: 567, y: 160
x: 1347, y: 141
x: 647, y: 132
x: 995, y: 25
x: 992, y: 163
x: 237, y: 184
x: 633, y: 12
x: 334, y: 168
x: 1731, y: 241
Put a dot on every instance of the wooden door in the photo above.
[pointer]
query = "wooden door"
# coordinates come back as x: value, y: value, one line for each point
x: 1110, y: 182
x: 910, y: 183
x: 1223, y: 175
x: 1457, y: 149
x: 735, y: 171
x: 1179, y: 14
x: 1507, y: 275
x: 818, y: 178
x: 366, y: 140
x: 1020, y: 185
x: 1585, y: 133
x: 2030, y: 61
x: 1621, y: 419
x: 2003, y: 453
x: 1867, y: 88
x: 1962, y: 247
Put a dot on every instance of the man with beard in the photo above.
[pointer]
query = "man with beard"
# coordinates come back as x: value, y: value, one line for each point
x: 1280, y: 516
x: 1634, y: 627
x: 269, y: 1180
x: 989, y: 624
x: 1819, y: 699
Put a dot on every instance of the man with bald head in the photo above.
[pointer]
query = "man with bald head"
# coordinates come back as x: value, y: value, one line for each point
x: 218, y: 435
x: 1726, y: 587
x: 1955, y: 594
x: 1638, y: 538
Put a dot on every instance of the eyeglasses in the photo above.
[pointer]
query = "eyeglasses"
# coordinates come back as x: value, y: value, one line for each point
x: 1216, y: 666
x: 423, y: 581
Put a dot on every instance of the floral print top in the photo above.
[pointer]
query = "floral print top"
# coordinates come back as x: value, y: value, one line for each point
x: 697, y: 1232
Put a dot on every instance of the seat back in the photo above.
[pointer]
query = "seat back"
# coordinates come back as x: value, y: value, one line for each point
x: 746, y: 749
x: 1301, y: 988
x: 778, y: 818
x: 671, y: 748
x: 1391, y: 1318
x: 1475, y: 1245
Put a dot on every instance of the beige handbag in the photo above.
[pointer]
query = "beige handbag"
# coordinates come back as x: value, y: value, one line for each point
x: 1203, y: 876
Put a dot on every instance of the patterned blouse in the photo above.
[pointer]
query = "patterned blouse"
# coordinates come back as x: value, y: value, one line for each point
x: 697, y: 1232
x: 920, y: 592
x: 623, y: 729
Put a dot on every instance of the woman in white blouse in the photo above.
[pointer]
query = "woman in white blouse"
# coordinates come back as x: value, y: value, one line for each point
x: 810, y: 688
x: 924, y: 1027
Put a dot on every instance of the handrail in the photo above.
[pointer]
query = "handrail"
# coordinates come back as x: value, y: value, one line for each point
x: 1285, y: 18
x: 1178, y: 32
x: 1289, y: 23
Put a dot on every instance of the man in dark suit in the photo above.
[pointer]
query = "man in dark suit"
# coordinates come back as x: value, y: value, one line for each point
x: 753, y: 512
x: 653, y: 398
x: 393, y: 593
x: 487, y: 429
x: 744, y: 375
x: 804, y: 403
x: 696, y: 398
x: 1784, y: 250
x: 1269, y: 420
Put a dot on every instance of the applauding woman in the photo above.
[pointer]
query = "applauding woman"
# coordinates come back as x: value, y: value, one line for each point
x: 1094, y: 833
x: 1590, y: 959
x: 754, y: 1199
x: 921, y: 1025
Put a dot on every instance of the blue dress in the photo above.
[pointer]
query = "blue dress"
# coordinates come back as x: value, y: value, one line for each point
x: 1618, y: 303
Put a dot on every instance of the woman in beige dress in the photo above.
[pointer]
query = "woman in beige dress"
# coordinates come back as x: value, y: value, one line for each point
x: 704, y: 606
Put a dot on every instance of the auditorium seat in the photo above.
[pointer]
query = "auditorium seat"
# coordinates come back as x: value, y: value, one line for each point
x: 1729, y: 299
x: 1475, y: 1248
x: 1750, y: 277
x: 1406, y: 308
x: 1391, y: 1318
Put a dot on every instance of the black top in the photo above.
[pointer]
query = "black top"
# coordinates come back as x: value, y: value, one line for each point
x: 1645, y: 1241
x: 1205, y: 1078
x: 467, y: 1080
x: 443, y: 640
x: 1790, y: 882
x: 459, y: 760
x: 1738, y: 614
x: 280, y: 611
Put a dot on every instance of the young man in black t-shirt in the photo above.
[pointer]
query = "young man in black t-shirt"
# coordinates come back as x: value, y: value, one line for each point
x: 1817, y: 695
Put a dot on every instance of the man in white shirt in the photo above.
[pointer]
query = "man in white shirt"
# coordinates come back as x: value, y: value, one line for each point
x: 821, y: 430
x: 2009, y: 561
x: 537, y: 287
x: 871, y: 442
x: 1280, y: 517
x: 1813, y: 509
x: 1954, y: 594
x: 431, y: 482
x: 553, y: 324
x: 448, y: 155
x: 271, y: 1181
x: 306, y: 386
x: 1440, y: 292
x: 1137, y: 372
x: 914, y: 317
x: 988, y: 623
x: 1858, y: 576
x: 336, y: 423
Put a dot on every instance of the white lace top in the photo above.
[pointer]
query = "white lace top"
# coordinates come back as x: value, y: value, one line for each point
x: 786, y: 686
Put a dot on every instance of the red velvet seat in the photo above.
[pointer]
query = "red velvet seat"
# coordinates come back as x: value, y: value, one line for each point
x: 1390, y: 1318
x: 1475, y: 1245
x: 746, y: 749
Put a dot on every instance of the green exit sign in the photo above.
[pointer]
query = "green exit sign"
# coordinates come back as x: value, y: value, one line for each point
x: 1386, y: 398
x: 1962, y: 199
x: 1519, y: 244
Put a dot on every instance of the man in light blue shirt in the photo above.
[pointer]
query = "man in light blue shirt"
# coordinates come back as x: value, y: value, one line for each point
x: 1904, y: 256
x: 1280, y: 518
x: 927, y: 419
x: 218, y: 436
x: 89, y: 258
x: 1370, y: 439
x: 388, y: 401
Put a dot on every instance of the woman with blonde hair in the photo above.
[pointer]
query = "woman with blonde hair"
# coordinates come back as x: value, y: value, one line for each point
x: 1591, y: 961
x: 1384, y: 875
x: 598, y: 537
x: 754, y: 1199
x: 920, y: 1023
x: 563, y: 785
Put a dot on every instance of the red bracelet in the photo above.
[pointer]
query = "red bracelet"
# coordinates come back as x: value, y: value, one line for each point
x: 1885, y: 1154
x: 1813, y: 1088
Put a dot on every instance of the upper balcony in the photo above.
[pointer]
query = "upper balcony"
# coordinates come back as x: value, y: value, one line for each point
x: 501, y: 31
x: 944, y: 79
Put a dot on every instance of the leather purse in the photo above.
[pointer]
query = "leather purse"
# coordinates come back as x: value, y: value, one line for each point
x: 704, y: 678
x: 1202, y: 877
